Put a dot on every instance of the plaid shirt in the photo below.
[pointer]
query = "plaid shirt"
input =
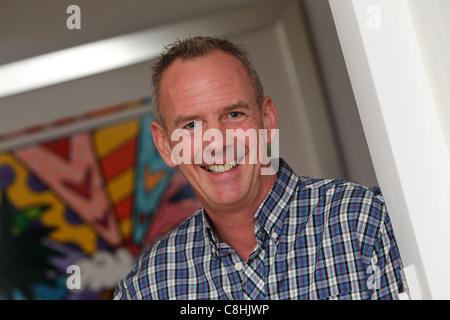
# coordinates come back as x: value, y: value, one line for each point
x: 316, y: 239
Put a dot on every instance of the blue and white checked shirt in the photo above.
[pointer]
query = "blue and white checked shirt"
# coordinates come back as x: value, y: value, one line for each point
x: 316, y: 239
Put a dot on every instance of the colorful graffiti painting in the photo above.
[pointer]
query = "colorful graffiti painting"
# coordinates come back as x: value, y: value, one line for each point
x: 94, y: 199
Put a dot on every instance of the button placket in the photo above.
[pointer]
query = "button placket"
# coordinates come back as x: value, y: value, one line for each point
x: 238, y: 266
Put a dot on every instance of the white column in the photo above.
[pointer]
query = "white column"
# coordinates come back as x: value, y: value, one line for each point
x: 403, y: 124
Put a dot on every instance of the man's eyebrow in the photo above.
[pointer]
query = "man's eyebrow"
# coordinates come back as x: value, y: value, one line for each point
x: 182, y: 119
x: 237, y: 105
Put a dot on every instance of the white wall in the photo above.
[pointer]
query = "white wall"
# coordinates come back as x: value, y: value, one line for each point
x: 339, y: 93
x: 399, y: 97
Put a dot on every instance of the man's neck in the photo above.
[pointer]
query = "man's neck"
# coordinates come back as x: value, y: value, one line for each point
x: 237, y: 232
x: 235, y: 226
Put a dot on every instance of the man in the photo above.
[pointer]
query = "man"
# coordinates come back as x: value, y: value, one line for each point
x: 257, y: 236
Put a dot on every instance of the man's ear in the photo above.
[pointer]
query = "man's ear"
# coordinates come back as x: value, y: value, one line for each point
x: 162, y: 143
x: 270, y: 117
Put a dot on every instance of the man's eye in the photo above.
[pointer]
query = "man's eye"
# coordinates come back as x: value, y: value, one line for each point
x: 235, y: 114
x: 192, y: 125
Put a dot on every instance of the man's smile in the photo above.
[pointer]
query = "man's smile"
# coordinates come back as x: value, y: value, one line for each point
x: 221, y: 168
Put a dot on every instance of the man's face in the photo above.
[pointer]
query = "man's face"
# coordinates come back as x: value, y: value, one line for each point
x: 214, y: 92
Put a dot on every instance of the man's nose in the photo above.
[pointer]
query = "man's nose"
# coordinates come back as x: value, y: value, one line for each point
x: 216, y: 144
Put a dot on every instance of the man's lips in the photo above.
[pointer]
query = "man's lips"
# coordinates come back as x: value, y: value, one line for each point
x: 221, y: 168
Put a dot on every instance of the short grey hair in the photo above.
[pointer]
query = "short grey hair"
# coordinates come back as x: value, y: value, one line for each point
x: 195, y: 47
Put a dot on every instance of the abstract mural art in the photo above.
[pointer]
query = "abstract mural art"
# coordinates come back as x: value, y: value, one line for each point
x: 94, y: 200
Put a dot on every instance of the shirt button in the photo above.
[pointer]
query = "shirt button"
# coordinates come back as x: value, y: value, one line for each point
x: 238, y: 266
x: 274, y: 235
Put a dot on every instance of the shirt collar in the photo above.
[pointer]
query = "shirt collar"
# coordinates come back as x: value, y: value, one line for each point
x: 273, y: 210
x: 210, y: 233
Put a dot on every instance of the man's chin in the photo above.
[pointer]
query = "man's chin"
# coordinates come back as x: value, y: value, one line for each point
x: 223, y: 198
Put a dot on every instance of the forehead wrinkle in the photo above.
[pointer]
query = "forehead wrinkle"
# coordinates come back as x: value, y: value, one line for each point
x: 194, y: 94
x: 175, y: 76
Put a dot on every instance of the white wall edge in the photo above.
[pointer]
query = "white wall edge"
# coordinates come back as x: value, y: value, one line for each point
x: 404, y: 133
x: 303, y: 71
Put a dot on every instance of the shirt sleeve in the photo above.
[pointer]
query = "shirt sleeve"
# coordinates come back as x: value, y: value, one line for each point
x: 121, y: 291
x: 119, y: 294
x: 128, y: 288
x: 384, y: 271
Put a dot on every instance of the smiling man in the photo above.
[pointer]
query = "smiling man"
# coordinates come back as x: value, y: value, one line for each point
x: 215, y: 92
x: 257, y: 236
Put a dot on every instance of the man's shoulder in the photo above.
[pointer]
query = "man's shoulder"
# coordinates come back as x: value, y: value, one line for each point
x: 328, y: 187
x: 343, y: 210
x: 288, y: 179
x: 339, y: 195
x: 341, y: 199
x: 327, y: 183
x: 151, y: 270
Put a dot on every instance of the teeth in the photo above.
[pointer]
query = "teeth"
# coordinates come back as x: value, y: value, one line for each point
x: 221, y: 168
